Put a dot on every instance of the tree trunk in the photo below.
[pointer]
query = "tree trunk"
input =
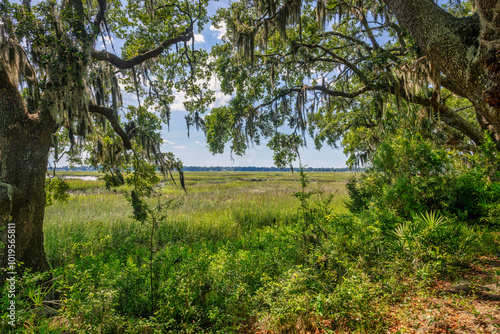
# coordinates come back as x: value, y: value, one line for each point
x: 24, y: 148
x: 465, y: 50
x: 24, y: 160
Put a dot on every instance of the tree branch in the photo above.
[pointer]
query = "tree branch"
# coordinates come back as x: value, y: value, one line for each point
x: 439, y: 34
x: 129, y: 63
x: 365, y: 45
x: 336, y: 93
x: 341, y: 60
x: 319, y: 88
x: 81, y: 17
x: 108, y: 113
x: 362, y: 18
x: 448, y: 115
x: 100, y: 17
x: 12, y: 107
x: 446, y: 83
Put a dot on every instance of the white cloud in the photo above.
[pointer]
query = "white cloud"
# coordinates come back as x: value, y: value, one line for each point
x: 199, y: 38
x: 197, y: 142
x: 181, y: 147
x: 220, y: 100
x: 104, y: 42
x: 108, y: 39
x: 178, y: 105
x: 129, y: 99
x: 213, y: 84
x: 220, y: 31
x: 168, y: 142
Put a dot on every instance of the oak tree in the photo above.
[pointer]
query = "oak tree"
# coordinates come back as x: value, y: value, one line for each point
x: 60, y: 83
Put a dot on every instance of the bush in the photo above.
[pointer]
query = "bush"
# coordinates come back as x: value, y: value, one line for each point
x: 431, y: 236
x: 410, y: 176
x: 56, y: 190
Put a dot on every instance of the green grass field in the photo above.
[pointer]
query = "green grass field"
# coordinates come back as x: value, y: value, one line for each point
x: 216, y: 204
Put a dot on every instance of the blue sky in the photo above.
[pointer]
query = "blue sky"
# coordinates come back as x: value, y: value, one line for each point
x: 193, y: 150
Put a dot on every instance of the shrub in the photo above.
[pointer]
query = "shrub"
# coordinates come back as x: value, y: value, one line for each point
x: 409, y: 176
x: 56, y: 190
x: 431, y: 236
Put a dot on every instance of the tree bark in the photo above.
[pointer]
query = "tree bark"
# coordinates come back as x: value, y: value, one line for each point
x: 24, y: 148
x: 465, y: 50
x: 24, y: 160
x: 489, y: 41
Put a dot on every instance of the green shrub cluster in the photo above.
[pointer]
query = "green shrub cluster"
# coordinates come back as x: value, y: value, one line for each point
x: 56, y: 190
x: 410, y: 176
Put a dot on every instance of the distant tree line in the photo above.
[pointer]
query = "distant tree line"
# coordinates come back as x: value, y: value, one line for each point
x: 229, y: 169
x: 262, y: 169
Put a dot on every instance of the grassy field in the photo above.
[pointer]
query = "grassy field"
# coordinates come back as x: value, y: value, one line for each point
x: 240, y: 253
x: 217, y: 205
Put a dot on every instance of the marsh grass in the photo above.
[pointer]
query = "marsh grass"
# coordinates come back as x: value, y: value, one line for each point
x: 221, y: 204
x: 217, y: 206
x: 82, y: 185
x: 95, y: 230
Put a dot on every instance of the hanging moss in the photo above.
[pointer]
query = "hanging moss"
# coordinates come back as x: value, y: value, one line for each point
x: 278, y: 19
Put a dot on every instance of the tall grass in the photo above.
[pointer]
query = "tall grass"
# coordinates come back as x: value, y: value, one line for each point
x: 82, y: 185
x: 217, y: 205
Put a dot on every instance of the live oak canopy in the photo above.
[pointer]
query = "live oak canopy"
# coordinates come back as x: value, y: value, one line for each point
x: 353, y: 72
x: 58, y: 88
